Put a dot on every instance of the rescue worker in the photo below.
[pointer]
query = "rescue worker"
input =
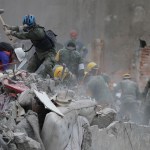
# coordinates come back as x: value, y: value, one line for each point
x: 62, y: 74
x: 44, y: 49
x: 6, y: 51
x: 92, y: 68
x: 146, y: 95
x: 98, y: 89
x: 72, y: 59
x: 129, y: 98
x: 79, y: 45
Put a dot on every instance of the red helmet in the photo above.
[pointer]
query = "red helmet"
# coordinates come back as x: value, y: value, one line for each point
x: 73, y: 33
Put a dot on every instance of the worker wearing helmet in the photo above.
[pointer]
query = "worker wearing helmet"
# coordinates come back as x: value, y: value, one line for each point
x: 44, y: 50
x: 72, y: 59
x: 63, y: 74
x: 79, y: 45
x: 93, y: 69
x: 97, y: 87
x: 129, y: 97
x: 91, y: 66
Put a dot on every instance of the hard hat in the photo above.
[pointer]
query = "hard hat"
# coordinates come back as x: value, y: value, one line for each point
x: 73, y: 33
x: 20, y: 54
x: 126, y: 76
x: 29, y: 20
x: 71, y: 46
x: 58, y: 72
x: 91, y: 66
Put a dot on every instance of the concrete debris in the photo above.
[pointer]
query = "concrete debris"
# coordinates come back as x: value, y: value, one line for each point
x: 87, y: 138
x: 104, y: 117
x: 47, y: 84
x: 25, y: 99
x: 23, y: 142
x: 119, y: 135
x: 54, y: 125
x: 63, y: 98
x: 76, y: 136
x: 59, y: 118
x: 43, y: 97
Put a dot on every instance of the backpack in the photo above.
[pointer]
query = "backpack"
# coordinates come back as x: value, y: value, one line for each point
x: 51, y: 37
x: 47, y: 43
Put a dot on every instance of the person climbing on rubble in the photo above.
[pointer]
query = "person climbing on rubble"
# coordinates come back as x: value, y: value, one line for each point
x: 146, y: 96
x: 71, y: 59
x: 63, y: 75
x: 129, y: 98
x: 79, y: 45
x: 44, y: 48
x: 98, y: 88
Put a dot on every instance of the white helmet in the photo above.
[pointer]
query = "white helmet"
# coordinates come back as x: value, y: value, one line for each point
x: 20, y: 54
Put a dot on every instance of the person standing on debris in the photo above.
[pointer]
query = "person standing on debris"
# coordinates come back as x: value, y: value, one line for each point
x: 79, y: 45
x: 6, y: 51
x: 44, y: 48
x: 72, y: 60
x: 146, y: 96
x: 98, y: 88
x: 129, y: 98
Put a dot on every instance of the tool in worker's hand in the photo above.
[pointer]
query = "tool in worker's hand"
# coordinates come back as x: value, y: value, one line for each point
x: 4, y: 27
x: 22, y: 64
x: 63, y: 71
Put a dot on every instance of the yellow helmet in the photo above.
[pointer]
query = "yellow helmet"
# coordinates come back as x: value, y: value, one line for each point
x: 58, y: 72
x: 126, y: 76
x: 91, y: 66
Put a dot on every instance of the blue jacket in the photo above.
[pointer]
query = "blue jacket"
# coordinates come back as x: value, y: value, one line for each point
x: 4, y: 59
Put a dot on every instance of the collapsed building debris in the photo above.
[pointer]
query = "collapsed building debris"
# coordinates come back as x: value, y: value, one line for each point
x: 119, y: 135
x: 45, y: 117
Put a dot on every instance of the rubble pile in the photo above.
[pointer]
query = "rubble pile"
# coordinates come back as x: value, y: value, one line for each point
x: 119, y: 135
x: 44, y: 116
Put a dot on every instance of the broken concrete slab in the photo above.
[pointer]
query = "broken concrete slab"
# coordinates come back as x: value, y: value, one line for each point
x: 76, y: 137
x: 124, y: 136
x: 104, y: 117
x: 56, y: 131
x: 43, y: 97
x: 23, y: 142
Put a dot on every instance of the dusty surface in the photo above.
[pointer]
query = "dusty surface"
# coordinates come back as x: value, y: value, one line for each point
x: 120, y: 23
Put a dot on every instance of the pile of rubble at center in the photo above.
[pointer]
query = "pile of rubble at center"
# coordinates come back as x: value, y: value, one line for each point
x: 37, y: 115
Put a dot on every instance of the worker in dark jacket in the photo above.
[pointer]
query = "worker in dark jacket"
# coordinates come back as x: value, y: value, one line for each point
x: 72, y: 59
x: 45, y: 50
x: 97, y: 86
x: 80, y: 47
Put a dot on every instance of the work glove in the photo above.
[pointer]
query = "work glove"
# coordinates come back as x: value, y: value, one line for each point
x: 8, y: 32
